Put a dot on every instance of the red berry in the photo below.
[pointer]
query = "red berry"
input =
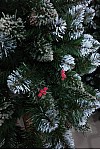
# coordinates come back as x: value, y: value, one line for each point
x: 62, y: 71
x: 40, y: 95
x: 63, y: 76
x: 42, y: 91
x: 45, y: 88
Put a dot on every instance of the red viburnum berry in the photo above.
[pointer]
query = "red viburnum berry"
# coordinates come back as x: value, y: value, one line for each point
x: 44, y: 93
x: 45, y: 88
x: 63, y: 75
x: 62, y: 71
x: 40, y: 95
x: 41, y: 91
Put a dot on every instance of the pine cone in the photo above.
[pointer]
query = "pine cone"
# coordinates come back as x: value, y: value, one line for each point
x: 46, y: 15
x: 12, y: 26
x: 33, y: 18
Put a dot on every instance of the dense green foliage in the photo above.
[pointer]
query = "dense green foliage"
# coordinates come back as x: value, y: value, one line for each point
x: 33, y: 44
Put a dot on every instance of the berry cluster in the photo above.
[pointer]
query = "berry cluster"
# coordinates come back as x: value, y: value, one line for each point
x: 42, y: 92
x: 63, y: 75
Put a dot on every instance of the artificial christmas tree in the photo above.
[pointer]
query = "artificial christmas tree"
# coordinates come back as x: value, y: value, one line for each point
x: 44, y: 53
x: 93, y: 27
